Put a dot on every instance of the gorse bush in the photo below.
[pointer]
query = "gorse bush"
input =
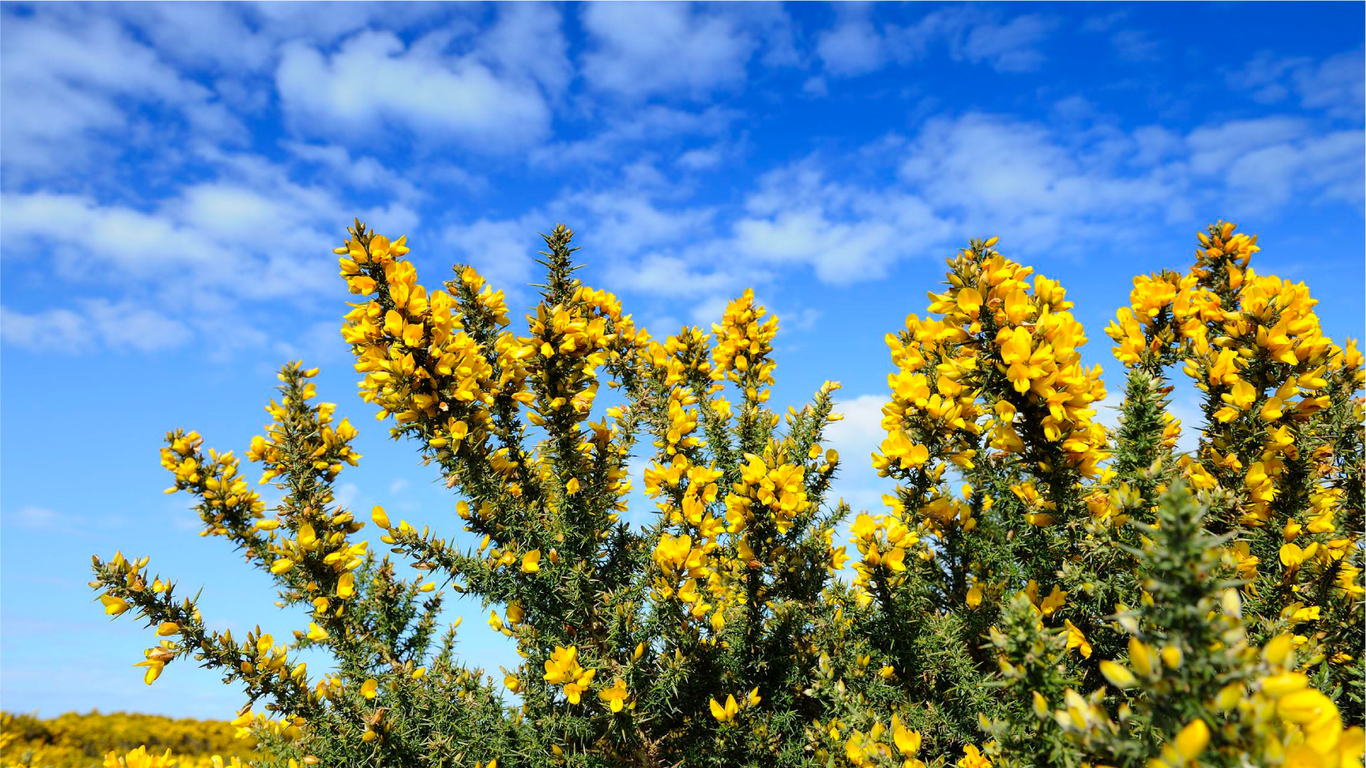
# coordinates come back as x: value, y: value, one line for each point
x: 1038, y: 590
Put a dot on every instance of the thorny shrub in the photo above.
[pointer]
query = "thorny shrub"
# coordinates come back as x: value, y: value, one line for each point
x: 1038, y: 589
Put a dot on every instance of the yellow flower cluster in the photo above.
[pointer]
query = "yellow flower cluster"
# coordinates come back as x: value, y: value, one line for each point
x: 228, y: 503
x: 1275, y: 717
x: 308, y: 539
x: 882, y: 744
x: 418, y: 362
x: 1003, y: 361
x: 726, y: 712
x: 718, y: 541
x: 571, y: 342
x: 1162, y: 308
x: 134, y: 579
x: 769, y: 486
x: 327, y: 449
x: 884, y: 541
x: 744, y: 344
x: 141, y: 758
x: 1012, y: 507
x: 686, y: 557
x: 562, y: 669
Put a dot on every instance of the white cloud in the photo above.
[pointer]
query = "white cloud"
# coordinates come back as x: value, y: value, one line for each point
x: 1214, y: 147
x: 856, y: 438
x: 615, y: 227
x: 1006, y: 176
x: 700, y: 159
x: 1008, y: 47
x: 680, y: 277
x: 1335, y: 84
x: 364, y: 173
x: 852, y: 47
x: 241, y: 38
x: 204, y: 34
x: 126, y: 324
x: 1136, y: 45
x: 858, y: 45
x: 1266, y: 162
x: 88, y: 235
x: 845, y: 232
x: 503, y: 251
x: 83, y: 76
x: 651, y: 126
x: 347, y: 495
x: 527, y: 40
x: 620, y: 223
x: 96, y: 322
x: 230, y: 250
x: 317, y: 343
x: 34, y: 517
x: 1048, y: 188
x: 54, y: 329
x: 374, y: 82
x: 815, y: 87
x: 642, y: 49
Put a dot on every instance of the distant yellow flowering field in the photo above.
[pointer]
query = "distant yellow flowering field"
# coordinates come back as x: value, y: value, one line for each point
x: 137, y: 741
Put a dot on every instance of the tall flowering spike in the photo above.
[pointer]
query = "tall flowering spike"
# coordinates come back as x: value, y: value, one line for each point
x: 420, y: 364
x: 1282, y: 445
x: 1163, y: 309
x: 1003, y: 362
x: 744, y: 347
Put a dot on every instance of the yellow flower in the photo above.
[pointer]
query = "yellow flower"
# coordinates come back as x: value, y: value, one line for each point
x: 370, y: 688
x: 1192, y: 739
x: 1291, y: 555
x: 973, y: 758
x: 1305, y: 706
x: 1075, y: 639
x: 724, y: 713
x: 563, y: 667
x: 1142, y: 657
x: 970, y: 301
x: 615, y: 696
x: 531, y: 561
x: 113, y: 605
x: 907, y: 741
x: 380, y: 517
x: 1119, y: 676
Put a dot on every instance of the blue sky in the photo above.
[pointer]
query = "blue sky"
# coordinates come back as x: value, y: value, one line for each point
x: 173, y: 178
